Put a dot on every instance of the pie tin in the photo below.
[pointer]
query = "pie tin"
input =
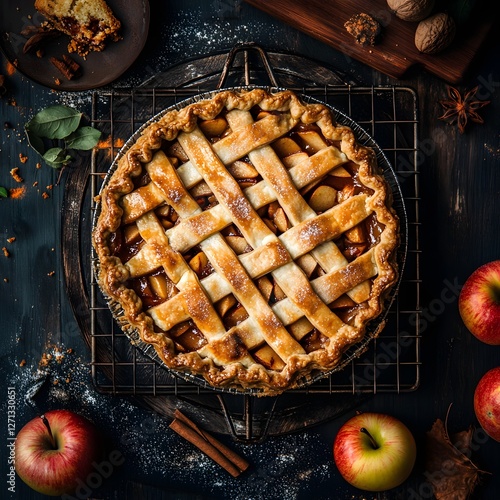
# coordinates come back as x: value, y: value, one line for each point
x: 373, y: 328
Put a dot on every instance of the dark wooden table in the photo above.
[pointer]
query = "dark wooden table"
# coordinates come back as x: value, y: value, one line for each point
x: 460, y: 200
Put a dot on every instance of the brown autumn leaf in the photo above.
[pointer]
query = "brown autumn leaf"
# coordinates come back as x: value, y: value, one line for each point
x: 450, y: 471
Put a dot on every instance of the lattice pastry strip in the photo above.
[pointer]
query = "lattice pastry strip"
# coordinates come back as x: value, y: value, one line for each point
x: 274, y: 173
x: 275, y: 302
x: 227, y: 191
x: 230, y: 270
x: 262, y: 260
x: 192, y: 230
x: 228, y: 149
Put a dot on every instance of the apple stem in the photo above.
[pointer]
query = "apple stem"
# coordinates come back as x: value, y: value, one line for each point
x: 46, y: 422
x: 372, y: 441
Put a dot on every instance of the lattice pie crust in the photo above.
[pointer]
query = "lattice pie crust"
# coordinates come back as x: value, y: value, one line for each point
x: 249, y: 238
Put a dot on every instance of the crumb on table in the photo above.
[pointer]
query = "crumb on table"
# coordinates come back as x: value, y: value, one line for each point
x: 15, y: 174
x: 17, y: 193
x: 364, y: 28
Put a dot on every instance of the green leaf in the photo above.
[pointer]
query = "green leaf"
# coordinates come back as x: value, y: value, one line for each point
x: 35, y: 142
x: 57, y: 157
x: 3, y: 192
x: 55, y: 122
x: 84, y: 138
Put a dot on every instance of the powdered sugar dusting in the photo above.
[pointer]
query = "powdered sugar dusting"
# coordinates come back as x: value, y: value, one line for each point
x: 282, y: 467
x: 310, y: 232
x: 282, y: 470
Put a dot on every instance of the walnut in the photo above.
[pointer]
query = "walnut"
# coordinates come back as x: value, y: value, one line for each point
x: 411, y: 10
x: 435, y: 33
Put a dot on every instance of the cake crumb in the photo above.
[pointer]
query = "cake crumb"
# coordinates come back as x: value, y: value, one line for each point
x: 15, y: 175
x: 23, y: 158
x: 364, y: 28
x: 51, y: 273
x: 12, y: 239
x: 5, y: 252
x: 38, y: 165
x: 45, y: 195
x: 22, y: 363
x: 44, y: 360
x: 17, y: 193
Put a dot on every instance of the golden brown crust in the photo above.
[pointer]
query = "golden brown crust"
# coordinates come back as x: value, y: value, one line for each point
x: 225, y: 360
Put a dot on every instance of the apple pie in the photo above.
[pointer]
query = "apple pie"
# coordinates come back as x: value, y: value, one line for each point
x: 249, y: 238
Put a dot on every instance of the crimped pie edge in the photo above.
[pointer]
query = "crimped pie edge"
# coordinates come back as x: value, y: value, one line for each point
x: 112, y: 274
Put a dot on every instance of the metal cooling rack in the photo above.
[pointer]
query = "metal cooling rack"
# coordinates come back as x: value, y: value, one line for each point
x: 388, y: 114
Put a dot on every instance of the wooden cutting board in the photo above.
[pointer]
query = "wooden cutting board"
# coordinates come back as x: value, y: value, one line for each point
x: 395, y: 53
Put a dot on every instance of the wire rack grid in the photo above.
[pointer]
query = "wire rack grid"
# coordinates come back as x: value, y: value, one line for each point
x: 391, y: 362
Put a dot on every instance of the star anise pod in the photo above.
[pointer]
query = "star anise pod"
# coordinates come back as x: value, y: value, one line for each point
x: 460, y: 109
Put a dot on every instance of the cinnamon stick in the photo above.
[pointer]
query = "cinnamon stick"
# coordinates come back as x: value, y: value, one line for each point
x: 216, y: 450
x: 67, y: 66
x: 239, y: 461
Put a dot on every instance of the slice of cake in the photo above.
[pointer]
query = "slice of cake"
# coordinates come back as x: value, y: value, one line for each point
x: 89, y: 23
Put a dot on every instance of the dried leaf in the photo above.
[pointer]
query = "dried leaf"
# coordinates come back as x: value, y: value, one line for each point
x: 450, y: 471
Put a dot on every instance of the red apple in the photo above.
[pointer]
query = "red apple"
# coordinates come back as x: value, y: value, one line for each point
x: 479, y: 303
x: 55, y: 450
x: 374, y: 452
x: 487, y: 403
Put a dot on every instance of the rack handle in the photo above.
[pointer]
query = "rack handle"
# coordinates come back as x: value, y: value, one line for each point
x: 245, y: 47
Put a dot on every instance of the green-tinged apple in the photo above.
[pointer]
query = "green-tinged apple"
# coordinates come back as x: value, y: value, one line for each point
x: 487, y: 402
x: 479, y: 303
x: 54, y: 451
x: 374, y: 451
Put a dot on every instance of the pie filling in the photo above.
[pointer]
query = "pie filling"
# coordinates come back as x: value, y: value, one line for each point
x: 256, y: 242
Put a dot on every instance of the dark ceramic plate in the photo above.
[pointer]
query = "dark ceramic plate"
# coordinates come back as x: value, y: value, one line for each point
x: 98, y: 69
